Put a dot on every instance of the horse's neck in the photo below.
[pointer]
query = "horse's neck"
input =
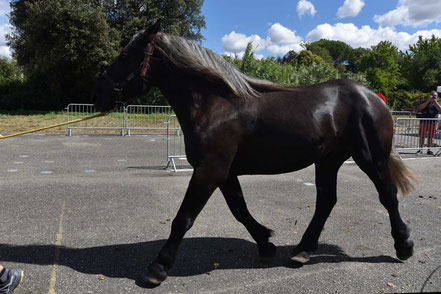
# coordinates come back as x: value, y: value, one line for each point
x: 183, y: 93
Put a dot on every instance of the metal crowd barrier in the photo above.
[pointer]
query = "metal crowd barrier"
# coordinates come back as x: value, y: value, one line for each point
x: 112, y: 121
x: 409, y: 131
x: 175, y: 145
x: 402, y: 114
x: 147, y: 117
x: 142, y: 118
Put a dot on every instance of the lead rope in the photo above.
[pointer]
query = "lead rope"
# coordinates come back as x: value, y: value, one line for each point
x: 54, y: 126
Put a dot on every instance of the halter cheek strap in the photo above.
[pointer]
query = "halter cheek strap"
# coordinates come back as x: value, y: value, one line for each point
x: 146, y: 62
x: 117, y: 87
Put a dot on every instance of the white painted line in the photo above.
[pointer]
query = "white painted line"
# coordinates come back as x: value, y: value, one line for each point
x: 12, y: 170
x: 404, y: 159
x: 24, y: 156
x: 153, y: 140
x: 299, y: 180
x: 48, y: 161
x: 308, y: 184
x: 122, y: 160
x: 88, y: 171
x: 18, y: 162
x: 423, y: 158
x: 47, y: 172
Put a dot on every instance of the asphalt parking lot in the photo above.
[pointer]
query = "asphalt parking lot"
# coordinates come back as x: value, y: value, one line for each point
x: 86, y: 214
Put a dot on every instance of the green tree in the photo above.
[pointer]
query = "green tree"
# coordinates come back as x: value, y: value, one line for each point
x: 354, y: 57
x: 65, y: 43
x: 292, y: 73
x: 248, y: 60
x: 306, y: 57
x: 339, y: 51
x: 9, y: 71
x: 180, y: 17
x: 288, y: 57
x: 318, y: 50
x: 381, y: 66
x: 421, y: 64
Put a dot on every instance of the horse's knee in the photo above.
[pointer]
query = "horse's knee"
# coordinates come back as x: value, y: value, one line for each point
x: 182, y: 223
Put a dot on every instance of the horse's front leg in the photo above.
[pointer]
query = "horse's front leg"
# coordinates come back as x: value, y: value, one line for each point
x: 202, y: 184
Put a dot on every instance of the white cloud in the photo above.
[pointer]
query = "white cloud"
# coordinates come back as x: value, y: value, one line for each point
x: 236, y: 42
x: 279, y: 41
x: 366, y: 36
x: 412, y: 13
x: 283, y: 49
x: 280, y: 34
x: 4, y: 50
x: 305, y: 7
x: 350, y: 8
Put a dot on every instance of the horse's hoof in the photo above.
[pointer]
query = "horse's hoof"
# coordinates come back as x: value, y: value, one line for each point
x: 155, y: 275
x: 301, y: 257
x: 405, y: 250
x: 267, y: 251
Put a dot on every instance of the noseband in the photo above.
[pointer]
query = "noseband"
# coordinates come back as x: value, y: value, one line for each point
x: 143, y: 72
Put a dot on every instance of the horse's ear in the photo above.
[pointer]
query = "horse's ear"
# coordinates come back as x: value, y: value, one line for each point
x: 157, y: 27
x: 151, y: 32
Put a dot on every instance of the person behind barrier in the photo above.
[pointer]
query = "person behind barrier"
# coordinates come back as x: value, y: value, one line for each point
x: 428, y: 110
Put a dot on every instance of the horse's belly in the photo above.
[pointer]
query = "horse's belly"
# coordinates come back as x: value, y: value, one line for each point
x: 273, y: 159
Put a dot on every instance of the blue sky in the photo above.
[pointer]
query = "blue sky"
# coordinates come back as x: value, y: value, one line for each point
x: 277, y: 26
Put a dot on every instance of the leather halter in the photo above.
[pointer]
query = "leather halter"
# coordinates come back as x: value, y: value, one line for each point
x: 143, y: 72
x: 146, y: 63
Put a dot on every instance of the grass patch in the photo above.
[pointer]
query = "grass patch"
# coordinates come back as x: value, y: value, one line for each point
x: 19, y: 121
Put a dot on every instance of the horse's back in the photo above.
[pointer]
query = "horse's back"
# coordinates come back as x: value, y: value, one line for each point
x: 302, y: 125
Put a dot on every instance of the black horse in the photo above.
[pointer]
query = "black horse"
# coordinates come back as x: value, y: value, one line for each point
x: 235, y: 125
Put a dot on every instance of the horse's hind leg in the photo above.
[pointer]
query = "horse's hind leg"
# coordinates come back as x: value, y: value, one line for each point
x: 400, y: 232
x: 234, y: 197
x: 326, y: 184
x: 380, y: 175
x: 369, y: 152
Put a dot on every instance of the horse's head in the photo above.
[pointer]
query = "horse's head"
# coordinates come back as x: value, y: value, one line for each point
x: 128, y: 74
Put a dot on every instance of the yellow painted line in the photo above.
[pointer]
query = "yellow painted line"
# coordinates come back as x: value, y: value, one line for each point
x: 58, y: 238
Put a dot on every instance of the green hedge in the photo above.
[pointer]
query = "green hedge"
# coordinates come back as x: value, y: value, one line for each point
x: 405, y: 101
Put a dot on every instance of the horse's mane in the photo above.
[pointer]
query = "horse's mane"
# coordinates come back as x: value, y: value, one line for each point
x: 194, y: 59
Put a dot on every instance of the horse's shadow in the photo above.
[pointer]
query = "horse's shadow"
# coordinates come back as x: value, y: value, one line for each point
x: 196, y: 256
